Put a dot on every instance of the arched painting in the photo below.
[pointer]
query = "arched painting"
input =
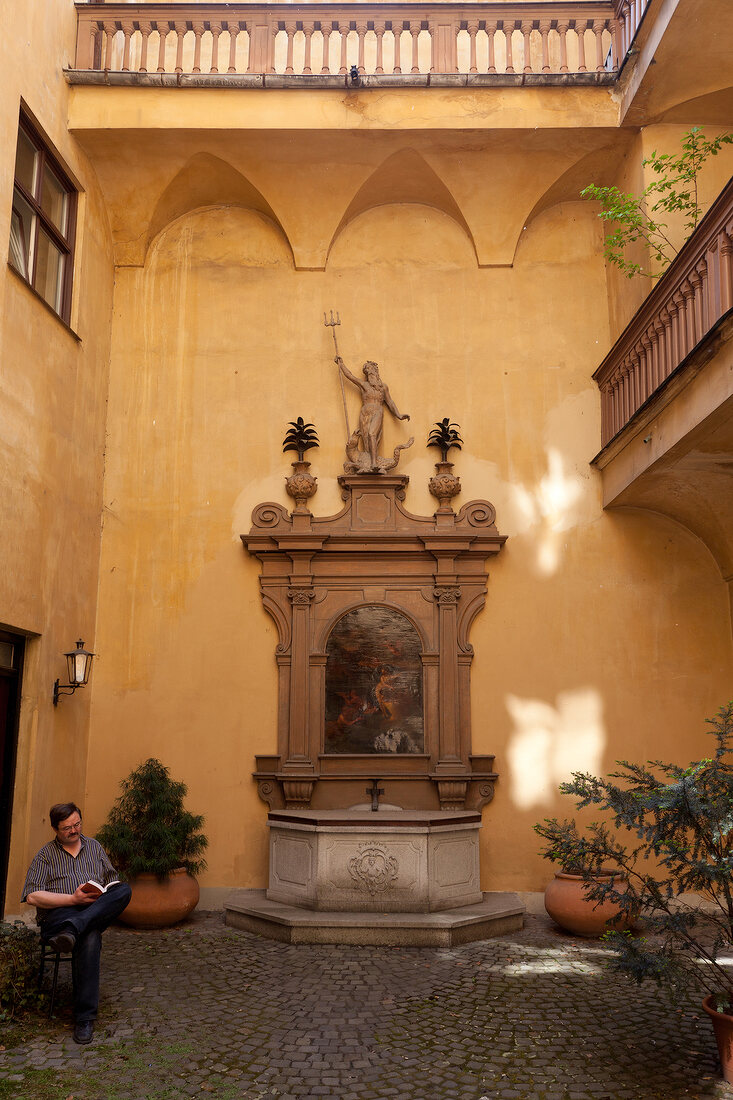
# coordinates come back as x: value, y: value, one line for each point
x: 374, y: 684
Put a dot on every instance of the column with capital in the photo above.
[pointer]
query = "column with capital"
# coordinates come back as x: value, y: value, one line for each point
x: 301, y: 594
x: 447, y: 593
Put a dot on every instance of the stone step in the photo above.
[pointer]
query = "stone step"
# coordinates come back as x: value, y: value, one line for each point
x: 497, y: 914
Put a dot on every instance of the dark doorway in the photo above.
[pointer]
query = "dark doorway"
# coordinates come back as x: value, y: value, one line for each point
x: 11, y: 670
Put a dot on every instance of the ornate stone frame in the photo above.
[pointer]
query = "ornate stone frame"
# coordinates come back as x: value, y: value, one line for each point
x: 432, y: 569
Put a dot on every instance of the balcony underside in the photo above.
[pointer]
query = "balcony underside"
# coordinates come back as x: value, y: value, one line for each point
x: 675, y: 456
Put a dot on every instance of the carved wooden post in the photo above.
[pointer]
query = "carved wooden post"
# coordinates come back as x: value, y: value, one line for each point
x: 545, y: 25
x: 415, y: 27
x: 447, y: 594
x: 598, y: 25
x: 526, y: 28
x: 344, y: 29
x: 110, y: 29
x: 327, y: 29
x: 491, y: 26
x: 163, y: 27
x: 508, y: 26
x: 180, y: 29
x: 127, y: 31
x: 215, y: 32
x: 562, y: 29
x: 725, y: 247
x: 472, y: 27
x: 690, y: 337
x: 290, y: 29
x: 198, y: 30
x: 308, y: 29
x: 300, y: 596
x: 145, y: 30
x: 698, y: 279
x: 233, y: 27
x: 379, y: 27
x: 580, y: 29
x: 397, y: 34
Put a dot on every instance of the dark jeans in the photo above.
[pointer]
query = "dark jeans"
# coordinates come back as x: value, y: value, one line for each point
x: 87, y: 922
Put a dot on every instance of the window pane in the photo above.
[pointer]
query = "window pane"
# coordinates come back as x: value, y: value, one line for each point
x: 49, y: 271
x: 26, y: 161
x: 54, y: 199
x: 21, y: 235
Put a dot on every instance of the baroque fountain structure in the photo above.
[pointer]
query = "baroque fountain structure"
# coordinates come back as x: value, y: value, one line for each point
x: 375, y: 797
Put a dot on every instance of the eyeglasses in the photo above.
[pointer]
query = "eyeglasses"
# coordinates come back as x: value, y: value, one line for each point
x: 70, y: 828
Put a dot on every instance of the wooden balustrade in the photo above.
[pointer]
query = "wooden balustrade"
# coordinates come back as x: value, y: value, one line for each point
x: 629, y: 14
x: 512, y: 39
x: 687, y: 302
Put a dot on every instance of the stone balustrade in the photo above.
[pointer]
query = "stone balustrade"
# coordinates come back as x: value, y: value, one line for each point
x: 517, y: 41
x: 684, y: 306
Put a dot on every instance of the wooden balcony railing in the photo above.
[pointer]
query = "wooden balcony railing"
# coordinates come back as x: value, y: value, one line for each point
x: 514, y: 40
x: 687, y: 302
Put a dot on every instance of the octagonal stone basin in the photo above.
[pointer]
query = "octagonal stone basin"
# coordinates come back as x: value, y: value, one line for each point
x: 357, y: 861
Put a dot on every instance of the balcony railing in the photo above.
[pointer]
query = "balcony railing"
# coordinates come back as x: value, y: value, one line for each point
x: 516, y: 42
x: 687, y: 302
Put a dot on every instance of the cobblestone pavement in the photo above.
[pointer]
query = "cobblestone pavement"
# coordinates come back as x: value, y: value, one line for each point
x: 206, y: 1010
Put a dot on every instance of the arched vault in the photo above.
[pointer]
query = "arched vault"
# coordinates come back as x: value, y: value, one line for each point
x: 404, y: 177
x: 206, y: 181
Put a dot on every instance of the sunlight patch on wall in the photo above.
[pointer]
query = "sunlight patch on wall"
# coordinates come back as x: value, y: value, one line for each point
x: 550, y: 742
x: 550, y: 507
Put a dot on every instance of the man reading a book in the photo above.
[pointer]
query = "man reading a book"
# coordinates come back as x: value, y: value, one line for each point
x: 72, y: 918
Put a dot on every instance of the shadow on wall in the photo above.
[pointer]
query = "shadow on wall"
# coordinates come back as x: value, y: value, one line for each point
x: 549, y: 743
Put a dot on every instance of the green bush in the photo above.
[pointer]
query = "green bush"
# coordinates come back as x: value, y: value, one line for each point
x: 18, y: 968
x: 677, y: 869
x: 148, y: 829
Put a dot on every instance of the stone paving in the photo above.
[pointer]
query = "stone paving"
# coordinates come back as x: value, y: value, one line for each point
x: 215, y: 1012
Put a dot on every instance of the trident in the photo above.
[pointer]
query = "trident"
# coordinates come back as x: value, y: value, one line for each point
x: 332, y: 325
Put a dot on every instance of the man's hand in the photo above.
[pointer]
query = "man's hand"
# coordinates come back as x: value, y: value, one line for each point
x: 80, y: 898
x: 338, y: 360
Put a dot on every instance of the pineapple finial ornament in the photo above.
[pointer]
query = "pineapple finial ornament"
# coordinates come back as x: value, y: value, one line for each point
x: 444, y: 485
x: 301, y: 485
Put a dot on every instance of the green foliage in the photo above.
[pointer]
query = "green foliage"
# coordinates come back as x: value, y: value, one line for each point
x: 633, y: 218
x: 148, y: 830
x: 445, y: 435
x: 18, y: 968
x: 681, y: 819
x: 301, y: 437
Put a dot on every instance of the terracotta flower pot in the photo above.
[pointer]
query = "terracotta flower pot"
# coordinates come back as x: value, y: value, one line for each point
x: 723, y: 1031
x: 156, y: 904
x: 568, y: 905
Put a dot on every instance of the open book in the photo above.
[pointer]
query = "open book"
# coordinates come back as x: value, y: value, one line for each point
x: 95, y: 889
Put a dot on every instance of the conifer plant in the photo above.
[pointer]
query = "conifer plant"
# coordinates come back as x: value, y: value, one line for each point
x: 678, y: 868
x: 148, y: 830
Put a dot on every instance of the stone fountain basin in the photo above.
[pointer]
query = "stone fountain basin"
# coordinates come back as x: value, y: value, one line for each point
x: 358, y: 861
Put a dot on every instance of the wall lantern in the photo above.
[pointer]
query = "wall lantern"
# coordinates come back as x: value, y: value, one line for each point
x: 79, y: 663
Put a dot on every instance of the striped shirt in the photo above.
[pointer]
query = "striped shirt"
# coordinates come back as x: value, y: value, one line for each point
x: 56, y: 870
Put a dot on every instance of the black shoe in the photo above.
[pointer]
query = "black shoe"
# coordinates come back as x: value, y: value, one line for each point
x: 84, y: 1031
x: 64, y: 942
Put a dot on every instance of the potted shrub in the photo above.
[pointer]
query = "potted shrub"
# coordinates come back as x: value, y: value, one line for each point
x: 156, y: 845
x: 676, y: 871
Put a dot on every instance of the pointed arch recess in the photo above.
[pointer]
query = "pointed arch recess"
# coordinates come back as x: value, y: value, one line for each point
x: 206, y: 181
x: 404, y: 177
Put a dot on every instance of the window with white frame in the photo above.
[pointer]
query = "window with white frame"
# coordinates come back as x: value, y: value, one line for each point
x: 43, y: 221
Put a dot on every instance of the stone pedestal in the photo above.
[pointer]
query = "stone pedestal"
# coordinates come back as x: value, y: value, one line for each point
x: 404, y: 861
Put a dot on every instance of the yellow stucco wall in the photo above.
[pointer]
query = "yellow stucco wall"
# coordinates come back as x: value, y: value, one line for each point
x: 446, y: 229
x: 600, y: 631
x: 53, y: 390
